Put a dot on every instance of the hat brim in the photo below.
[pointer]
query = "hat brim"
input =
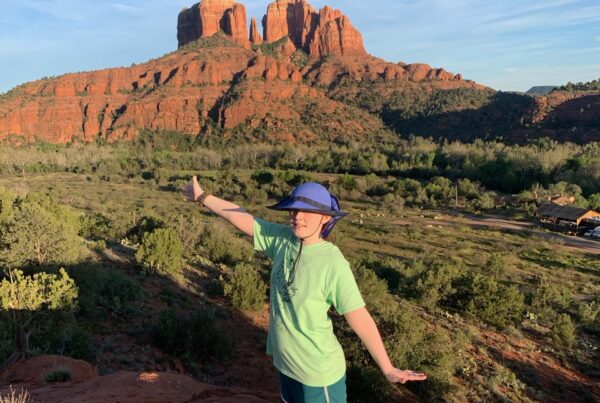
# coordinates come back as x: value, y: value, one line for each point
x: 288, y: 204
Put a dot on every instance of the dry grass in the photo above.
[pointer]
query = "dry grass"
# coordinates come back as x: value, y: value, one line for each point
x: 15, y: 396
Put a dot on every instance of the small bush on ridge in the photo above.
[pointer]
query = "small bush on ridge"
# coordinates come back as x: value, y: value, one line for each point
x: 161, y: 252
x: 245, y: 289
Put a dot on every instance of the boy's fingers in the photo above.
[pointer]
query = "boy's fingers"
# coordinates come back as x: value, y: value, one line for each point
x: 195, y: 180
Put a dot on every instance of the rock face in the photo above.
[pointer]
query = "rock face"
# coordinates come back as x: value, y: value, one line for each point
x: 255, y: 37
x: 208, y: 17
x: 327, y: 32
x: 318, y: 33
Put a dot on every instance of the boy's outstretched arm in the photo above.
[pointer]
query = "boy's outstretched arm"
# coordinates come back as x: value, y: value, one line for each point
x: 364, y: 326
x: 227, y: 210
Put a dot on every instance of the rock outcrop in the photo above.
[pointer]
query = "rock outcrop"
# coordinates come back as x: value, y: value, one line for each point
x: 327, y: 32
x: 122, y: 386
x: 255, y: 37
x: 208, y: 17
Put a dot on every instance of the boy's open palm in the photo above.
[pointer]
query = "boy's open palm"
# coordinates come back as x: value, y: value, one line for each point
x: 398, y: 375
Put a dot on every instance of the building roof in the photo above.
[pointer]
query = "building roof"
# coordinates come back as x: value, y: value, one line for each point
x: 565, y: 212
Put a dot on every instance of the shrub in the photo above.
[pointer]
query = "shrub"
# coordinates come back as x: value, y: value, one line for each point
x: 224, y: 247
x: 589, y: 311
x: 58, y: 375
x: 106, y: 292
x: 145, y: 225
x: 194, y: 337
x: 435, y: 284
x: 73, y: 341
x: 96, y: 226
x: 30, y: 296
x: 245, y: 289
x: 563, y: 331
x: 347, y: 182
x: 262, y: 177
x: 495, y: 265
x: 7, y: 199
x: 189, y: 230
x: 550, y: 297
x: 485, y: 299
x: 161, y: 252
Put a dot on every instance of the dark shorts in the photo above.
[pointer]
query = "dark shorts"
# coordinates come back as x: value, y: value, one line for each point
x: 293, y: 391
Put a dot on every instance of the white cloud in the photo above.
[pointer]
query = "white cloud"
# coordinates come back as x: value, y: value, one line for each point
x: 125, y: 8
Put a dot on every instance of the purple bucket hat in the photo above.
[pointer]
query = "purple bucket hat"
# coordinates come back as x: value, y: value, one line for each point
x: 315, y: 198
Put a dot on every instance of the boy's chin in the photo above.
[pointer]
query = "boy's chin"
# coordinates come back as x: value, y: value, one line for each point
x: 301, y: 232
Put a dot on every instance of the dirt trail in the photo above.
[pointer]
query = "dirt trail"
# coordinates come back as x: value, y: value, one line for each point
x: 453, y: 218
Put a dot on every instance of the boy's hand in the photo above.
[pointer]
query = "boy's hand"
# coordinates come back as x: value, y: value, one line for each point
x: 397, y: 375
x: 193, y: 190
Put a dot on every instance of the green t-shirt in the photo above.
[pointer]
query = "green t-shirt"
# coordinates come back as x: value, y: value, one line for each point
x: 301, y: 338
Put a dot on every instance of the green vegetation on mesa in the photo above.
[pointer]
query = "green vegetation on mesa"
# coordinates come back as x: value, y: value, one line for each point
x: 593, y: 85
x: 141, y: 263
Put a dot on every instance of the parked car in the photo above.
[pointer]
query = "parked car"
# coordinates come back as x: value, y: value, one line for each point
x: 595, y: 233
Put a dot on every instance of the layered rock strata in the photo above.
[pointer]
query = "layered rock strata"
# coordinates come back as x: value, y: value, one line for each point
x: 208, y: 17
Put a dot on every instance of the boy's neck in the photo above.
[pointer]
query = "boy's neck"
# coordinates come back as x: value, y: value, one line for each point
x: 311, y: 240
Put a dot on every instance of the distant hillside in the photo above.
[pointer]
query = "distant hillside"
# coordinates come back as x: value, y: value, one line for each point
x: 541, y: 90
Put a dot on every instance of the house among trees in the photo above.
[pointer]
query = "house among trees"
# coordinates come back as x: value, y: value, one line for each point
x: 566, y: 218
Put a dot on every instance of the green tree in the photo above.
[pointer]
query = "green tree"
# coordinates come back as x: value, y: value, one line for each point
x: 40, y: 232
x: 594, y: 201
x: 161, y: 252
x: 28, y: 298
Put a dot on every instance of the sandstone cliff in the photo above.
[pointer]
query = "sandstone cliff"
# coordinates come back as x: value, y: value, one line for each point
x: 208, y: 17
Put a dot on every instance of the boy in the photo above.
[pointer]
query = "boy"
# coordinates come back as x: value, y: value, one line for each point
x: 308, y: 276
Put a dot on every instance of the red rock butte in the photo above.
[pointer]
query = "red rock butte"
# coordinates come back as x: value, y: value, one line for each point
x: 318, y: 33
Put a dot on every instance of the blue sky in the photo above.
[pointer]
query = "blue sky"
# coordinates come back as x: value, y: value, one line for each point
x: 505, y: 44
